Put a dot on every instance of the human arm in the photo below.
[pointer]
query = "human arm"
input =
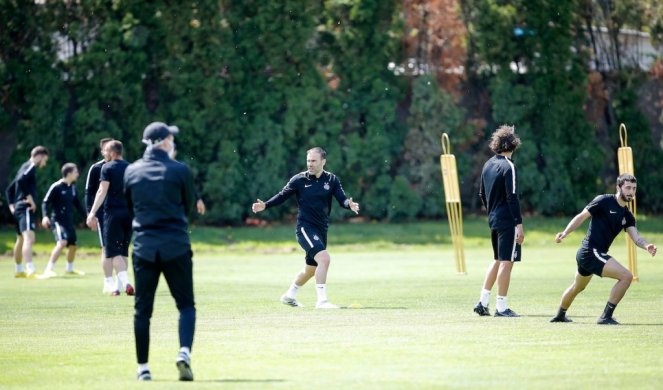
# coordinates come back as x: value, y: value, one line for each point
x: 342, y: 199
x: 78, y: 205
x: 10, y: 195
x: 99, y: 199
x: 45, y: 205
x: 26, y: 183
x: 513, y: 202
x: 640, y: 241
x: 482, y: 193
x: 575, y: 223
x: 189, y: 194
x: 200, y: 205
x: 277, y: 199
x: 91, y: 186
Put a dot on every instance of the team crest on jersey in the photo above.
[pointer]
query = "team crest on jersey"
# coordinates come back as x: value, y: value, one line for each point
x: 623, y: 221
x: 327, y: 187
x: 316, y: 238
x: 64, y: 192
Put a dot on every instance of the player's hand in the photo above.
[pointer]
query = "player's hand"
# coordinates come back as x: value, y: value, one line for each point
x: 33, y: 206
x: 46, y: 222
x: 353, y: 206
x: 12, y: 209
x: 200, y: 205
x: 651, y: 248
x: 520, y: 234
x: 258, y: 206
x: 559, y: 237
x: 91, y: 222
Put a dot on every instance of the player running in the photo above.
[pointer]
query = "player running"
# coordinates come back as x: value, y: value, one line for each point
x: 91, y: 188
x: 499, y: 196
x: 117, y: 222
x: 22, y: 199
x: 609, y: 216
x: 314, y: 190
x: 61, y: 199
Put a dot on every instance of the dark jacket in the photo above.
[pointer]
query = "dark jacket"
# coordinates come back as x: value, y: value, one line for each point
x: 499, y: 193
x: 160, y: 194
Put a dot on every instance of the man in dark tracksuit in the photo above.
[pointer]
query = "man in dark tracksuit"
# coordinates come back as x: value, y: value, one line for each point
x: 314, y: 190
x: 91, y: 188
x: 160, y: 193
x: 499, y: 195
x: 609, y: 216
x: 22, y: 198
x: 61, y: 199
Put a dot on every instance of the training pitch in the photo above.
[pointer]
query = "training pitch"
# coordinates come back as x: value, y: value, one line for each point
x: 416, y: 328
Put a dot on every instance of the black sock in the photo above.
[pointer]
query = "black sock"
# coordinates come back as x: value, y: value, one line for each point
x: 561, y: 313
x: 609, y: 308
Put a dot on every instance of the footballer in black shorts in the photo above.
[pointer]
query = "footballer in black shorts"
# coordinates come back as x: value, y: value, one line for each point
x: 314, y: 189
x: 117, y: 220
x: 499, y: 195
x: 609, y: 216
x: 60, y: 202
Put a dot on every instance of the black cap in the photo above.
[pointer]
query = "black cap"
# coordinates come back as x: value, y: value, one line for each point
x: 158, y: 131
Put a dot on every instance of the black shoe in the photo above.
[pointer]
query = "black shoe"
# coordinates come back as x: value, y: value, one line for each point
x: 562, y: 319
x: 184, y: 367
x: 506, y: 313
x: 144, y: 376
x: 481, y: 310
x: 607, y: 321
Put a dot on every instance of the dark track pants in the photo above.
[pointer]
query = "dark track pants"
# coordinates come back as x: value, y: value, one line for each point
x: 179, y: 276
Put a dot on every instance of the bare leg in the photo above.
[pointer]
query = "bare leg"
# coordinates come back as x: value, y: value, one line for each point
x: 504, y: 277
x: 106, y: 265
x: 323, y: 259
x: 576, y: 288
x: 55, y: 253
x: 305, y: 275
x: 119, y: 264
x: 491, y: 275
x: 18, y: 250
x: 71, y: 253
x: 28, y: 241
x: 614, y: 270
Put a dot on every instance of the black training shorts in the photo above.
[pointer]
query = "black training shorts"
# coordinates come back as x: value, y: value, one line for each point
x: 64, y: 232
x: 117, y: 232
x: 591, y: 261
x: 312, y: 241
x: 25, y: 218
x: 505, y: 247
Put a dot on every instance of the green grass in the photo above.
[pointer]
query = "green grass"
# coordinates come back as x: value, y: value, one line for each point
x: 416, y: 329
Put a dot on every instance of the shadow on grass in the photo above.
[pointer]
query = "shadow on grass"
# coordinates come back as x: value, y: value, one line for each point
x: 552, y: 315
x: 373, y: 308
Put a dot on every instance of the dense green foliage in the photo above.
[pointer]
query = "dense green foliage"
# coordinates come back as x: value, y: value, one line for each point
x: 253, y: 84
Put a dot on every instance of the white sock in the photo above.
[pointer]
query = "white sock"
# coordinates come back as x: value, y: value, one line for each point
x: 292, y: 291
x: 502, y: 303
x: 117, y: 283
x: 321, y: 289
x: 30, y: 267
x: 19, y: 267
x: 185, y: 350
x: 485, y: 297
x: 108, y: 281
x: 70, y: 266
x: 143, y: 367
x: 123, y: 278
x: 49, y: 266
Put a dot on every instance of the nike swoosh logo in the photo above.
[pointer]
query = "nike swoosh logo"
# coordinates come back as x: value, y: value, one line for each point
x: 613, y: 212
x: 307, y: 186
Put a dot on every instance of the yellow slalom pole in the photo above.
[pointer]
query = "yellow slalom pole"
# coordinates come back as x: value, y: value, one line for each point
x: 625, y: 160
x: 452, y: 199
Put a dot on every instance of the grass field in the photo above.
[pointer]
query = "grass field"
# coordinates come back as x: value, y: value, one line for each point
x: 416, y: 328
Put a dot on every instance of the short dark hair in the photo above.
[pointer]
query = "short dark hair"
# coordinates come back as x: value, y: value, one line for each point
x: 504, y: 139
x: 67, y: 169
x: 115, y: 146
x: 103, y: 141
x: 39, y: 151
x: 627, y: 177
x: 317, y: 149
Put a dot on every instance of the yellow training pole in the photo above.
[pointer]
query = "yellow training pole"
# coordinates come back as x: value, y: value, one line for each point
x: 452, y: 198
x: 625, y: 159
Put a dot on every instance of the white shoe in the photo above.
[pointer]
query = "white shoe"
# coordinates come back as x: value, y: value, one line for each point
x: 108, y: 288
x: 325, y: 305
x: 286, y: 300
x: 47, y: 275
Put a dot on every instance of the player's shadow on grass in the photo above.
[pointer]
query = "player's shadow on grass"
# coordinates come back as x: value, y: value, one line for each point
x: 374, y: 308
x: 229, y: 380
x: 549, y: 316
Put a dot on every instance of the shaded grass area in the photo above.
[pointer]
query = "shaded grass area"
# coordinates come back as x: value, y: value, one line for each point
x: 343, y: 236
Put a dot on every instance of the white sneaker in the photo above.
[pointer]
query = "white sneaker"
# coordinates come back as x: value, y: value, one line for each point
x: 325, y: 305
x: 286, y: 300
x: 47, y: 275
x: 108, y: 288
